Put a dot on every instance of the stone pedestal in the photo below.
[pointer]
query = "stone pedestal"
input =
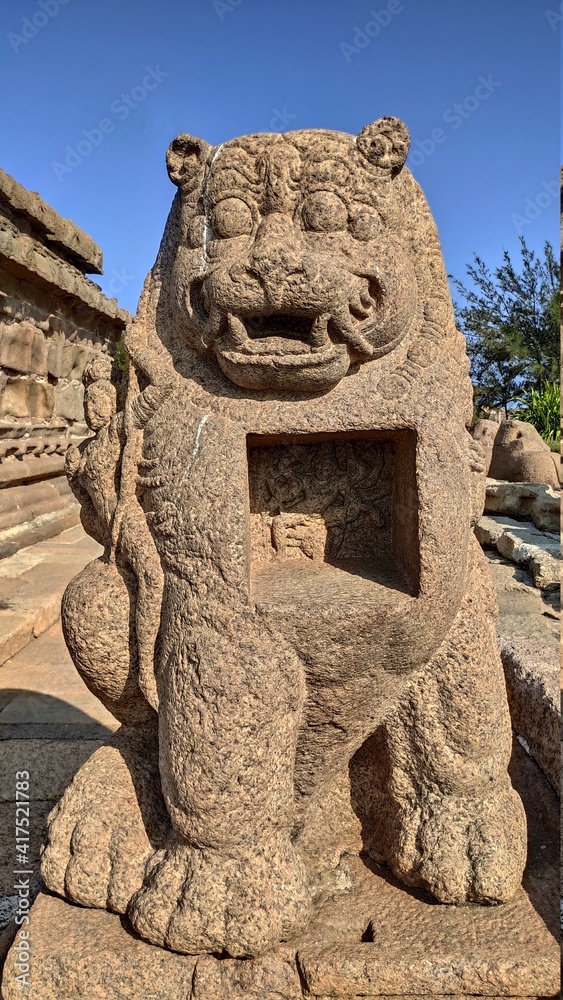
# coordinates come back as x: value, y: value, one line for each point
x: 419, y: 949
x: 371, y: 937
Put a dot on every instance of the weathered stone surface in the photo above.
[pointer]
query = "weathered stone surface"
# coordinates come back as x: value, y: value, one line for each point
x: 523, y: 543
x: 43, y: 697
x: 25, y: 470
x: 24, y: 503
x: 19, y: 251
x: 23, y: 348
x: 91, y: 966
x: 55, y: 358
x: 69, y: 401
x: 534, y: 502
x: 420, y: 996
x: 532, y: 675
x: 485, y: 432
x: 6, y: 939
x: 274, y: 976
x: 528, y: 632
x: 41, y: 399
x: 52, y: 319
x: 521, y: 456
x: 38, y: 813
x: 28, y: 397
x: 462, y: 950
x: 75, y: 358
x: 65, y: 757
x: 24, y: 298
x: 59, y: 232
x: 14, y: 401
x: 32, y: 438
x: 276, y: 502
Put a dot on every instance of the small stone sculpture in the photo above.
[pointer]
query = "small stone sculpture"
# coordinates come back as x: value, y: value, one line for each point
x: 292, y: 618
x: 520, y: 455
x: 485, y: 432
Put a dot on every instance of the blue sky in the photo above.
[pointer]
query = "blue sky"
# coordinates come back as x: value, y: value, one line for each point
x: 476, y: 81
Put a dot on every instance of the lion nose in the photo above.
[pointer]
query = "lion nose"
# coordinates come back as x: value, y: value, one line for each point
x: 276, y: 254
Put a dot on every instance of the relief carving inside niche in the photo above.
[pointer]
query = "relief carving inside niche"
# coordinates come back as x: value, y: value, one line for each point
x: 328, y: 501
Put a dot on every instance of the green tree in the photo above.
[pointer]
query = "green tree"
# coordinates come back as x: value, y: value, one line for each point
x: 542, y: 408
x: 510, y: 318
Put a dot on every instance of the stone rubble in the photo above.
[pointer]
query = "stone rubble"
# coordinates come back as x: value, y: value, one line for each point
x: 523, y: 543
x: 520, y: 455
x: 536, y: 502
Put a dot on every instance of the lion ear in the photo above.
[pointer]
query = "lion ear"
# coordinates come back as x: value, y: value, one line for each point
x: 385, y: 143
x: 185, y: 159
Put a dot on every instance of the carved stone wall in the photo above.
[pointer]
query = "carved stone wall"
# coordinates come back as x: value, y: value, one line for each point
x: 53, y: 320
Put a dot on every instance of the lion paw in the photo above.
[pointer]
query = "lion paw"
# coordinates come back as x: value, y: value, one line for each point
x: 465, y: 851
x: 242, y: 903
x: 107, y: 825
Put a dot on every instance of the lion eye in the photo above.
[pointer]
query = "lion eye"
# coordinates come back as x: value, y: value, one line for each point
x: 364, y: 225
x: 324, y: 212
x: 231, y: 217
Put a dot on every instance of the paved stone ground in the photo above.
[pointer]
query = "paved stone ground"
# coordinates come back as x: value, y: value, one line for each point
x: 32, y: 583
x: 49, y: 722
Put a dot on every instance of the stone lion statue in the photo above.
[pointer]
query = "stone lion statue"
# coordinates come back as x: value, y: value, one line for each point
x: 292, y: 619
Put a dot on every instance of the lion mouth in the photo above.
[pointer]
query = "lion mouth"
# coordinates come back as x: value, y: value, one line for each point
x: 278, y: 333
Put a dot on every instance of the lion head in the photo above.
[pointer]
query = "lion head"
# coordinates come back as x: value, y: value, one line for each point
x: 285, y: 256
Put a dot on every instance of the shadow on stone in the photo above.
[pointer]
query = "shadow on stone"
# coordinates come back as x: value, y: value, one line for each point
x: 542, y: 812
x: 368, y: 770
x: 26, y: 714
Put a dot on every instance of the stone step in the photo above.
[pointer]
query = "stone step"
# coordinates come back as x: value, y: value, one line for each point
x: 42, y: 692
x: 42, y: 527
x: 32, y: 583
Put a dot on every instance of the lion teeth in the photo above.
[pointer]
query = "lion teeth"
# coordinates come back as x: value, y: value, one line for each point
x: 349, y: 335
x: 237, y: 331
x: 319, y: 332
x: 239, y: 339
